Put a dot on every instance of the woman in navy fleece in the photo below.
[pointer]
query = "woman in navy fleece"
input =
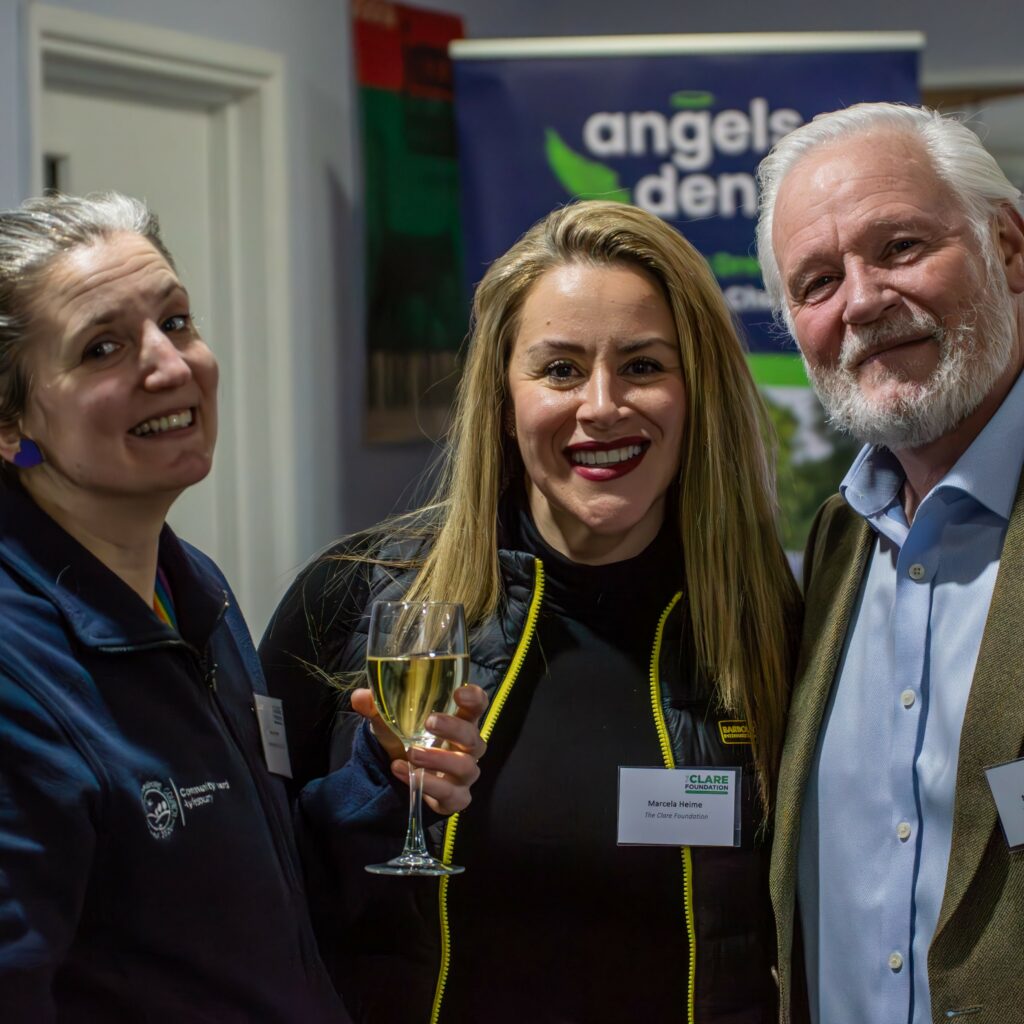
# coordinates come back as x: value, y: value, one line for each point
x: 147, y: 864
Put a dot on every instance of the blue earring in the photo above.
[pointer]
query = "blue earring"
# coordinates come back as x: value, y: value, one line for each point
x: 28, y: 455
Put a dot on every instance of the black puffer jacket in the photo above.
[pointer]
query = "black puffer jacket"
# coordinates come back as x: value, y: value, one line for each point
x: 323, y: 622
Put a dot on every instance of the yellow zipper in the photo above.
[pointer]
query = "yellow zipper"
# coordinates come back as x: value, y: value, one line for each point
x: 670, y: 762
x: 488, y: 727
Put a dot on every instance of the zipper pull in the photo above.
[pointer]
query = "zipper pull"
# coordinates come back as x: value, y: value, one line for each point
x: 211, y: 676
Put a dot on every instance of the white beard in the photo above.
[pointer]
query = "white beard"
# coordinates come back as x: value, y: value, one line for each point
x: 972, y: 356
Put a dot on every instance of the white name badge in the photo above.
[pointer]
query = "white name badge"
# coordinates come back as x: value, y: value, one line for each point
x: 1007, y: 784
x: 270, y: 715
x: 679, y: 806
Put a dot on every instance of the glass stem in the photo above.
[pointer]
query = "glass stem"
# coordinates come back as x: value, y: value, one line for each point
x: 415, y: 841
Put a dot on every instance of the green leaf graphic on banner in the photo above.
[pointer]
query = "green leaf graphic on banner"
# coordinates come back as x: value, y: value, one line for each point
x: 580, y: 177
x: 777, y: 369
x: 691, y: 99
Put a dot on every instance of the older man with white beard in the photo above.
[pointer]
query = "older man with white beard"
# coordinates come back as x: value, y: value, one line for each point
x: 892, y: 247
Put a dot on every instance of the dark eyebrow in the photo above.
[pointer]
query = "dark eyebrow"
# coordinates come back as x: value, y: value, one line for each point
x: 641, y: 343
x: 110, y: 315
x: 554, y: 345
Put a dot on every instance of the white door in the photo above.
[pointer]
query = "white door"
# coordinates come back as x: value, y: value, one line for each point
x: 196, y: 127
x: 160, y: 153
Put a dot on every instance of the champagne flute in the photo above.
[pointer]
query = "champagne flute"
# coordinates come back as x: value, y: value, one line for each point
x: 416, y: 657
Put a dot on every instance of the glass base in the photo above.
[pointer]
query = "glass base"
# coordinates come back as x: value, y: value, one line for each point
x: 410, y: 864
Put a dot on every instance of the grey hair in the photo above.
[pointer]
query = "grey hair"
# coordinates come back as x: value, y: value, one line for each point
x: 32, y: 238
x: 956, y: 153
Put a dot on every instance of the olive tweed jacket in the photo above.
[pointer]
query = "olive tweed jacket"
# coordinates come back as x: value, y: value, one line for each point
x: 975, y: 959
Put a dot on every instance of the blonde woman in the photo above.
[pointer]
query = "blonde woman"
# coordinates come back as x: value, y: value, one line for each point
x: 607, y: 518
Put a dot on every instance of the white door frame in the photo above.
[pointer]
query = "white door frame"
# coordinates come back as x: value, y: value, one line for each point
x: 243, y: 89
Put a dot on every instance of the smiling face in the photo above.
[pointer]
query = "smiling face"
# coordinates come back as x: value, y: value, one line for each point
x: 599, y: 403
x: 904, y: 328
x: 123, y: 401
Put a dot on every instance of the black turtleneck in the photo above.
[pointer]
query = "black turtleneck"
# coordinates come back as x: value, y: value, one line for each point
x: 553, y: 921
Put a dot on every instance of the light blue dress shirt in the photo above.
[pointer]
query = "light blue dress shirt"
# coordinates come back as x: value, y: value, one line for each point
x: 878, y: 809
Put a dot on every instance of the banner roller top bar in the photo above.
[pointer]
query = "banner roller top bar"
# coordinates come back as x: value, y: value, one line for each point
x: 654, y: 45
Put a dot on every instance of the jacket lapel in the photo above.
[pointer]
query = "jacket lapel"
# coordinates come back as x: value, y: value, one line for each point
x: 993, y: 730
x: 839, y: 550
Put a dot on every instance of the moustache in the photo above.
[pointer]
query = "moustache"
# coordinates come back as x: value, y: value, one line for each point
x: 863, y: 340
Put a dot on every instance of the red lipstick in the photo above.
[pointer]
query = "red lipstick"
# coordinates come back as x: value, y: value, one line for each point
x: 607, y: 460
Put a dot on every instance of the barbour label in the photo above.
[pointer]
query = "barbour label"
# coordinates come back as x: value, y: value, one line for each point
x: 733, y: 731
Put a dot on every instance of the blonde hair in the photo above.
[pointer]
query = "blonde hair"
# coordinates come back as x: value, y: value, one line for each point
x: 743, y: 601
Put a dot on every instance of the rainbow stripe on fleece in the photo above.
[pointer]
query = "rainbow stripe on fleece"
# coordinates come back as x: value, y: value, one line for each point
x: 163, y: 603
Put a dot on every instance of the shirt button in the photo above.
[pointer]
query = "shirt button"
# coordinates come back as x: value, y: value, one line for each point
x: 907, y: 698
x: 916, y: 571
x: 903, y: 830
x: 895, y: 961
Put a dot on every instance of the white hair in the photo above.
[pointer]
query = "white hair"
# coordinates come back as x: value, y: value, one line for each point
x: 956, y: 154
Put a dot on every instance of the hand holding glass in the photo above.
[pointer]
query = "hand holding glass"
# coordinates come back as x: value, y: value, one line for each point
x: 416, y: 657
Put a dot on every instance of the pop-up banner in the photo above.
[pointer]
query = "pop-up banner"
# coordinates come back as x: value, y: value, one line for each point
x: 677, y: 125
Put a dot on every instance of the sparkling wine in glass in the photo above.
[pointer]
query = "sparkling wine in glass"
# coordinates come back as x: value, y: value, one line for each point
x: 416, y: 657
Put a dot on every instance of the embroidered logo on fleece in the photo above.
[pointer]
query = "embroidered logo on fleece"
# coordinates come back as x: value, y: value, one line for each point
x: 733, y: 731
x: 165, y: 803
x: 160, y: 804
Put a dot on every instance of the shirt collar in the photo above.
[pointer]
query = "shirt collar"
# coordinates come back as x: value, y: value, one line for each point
x: 988, y: 471
x: 873, y: 482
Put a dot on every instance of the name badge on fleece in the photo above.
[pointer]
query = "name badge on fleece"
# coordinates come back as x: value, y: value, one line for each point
x: 1007, y: 784
x: 270, y: 715
x: 679, y: 806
